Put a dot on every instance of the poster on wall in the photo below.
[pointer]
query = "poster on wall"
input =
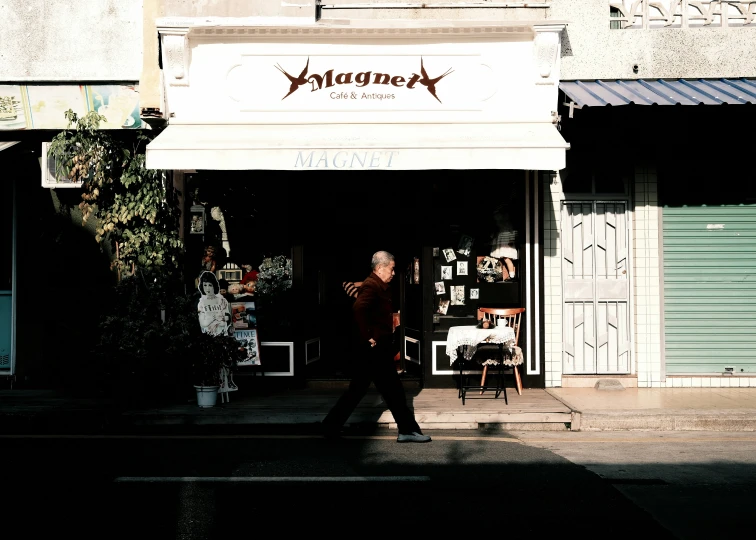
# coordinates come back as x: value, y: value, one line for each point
x: 48, y: 104
x: 12, y: 113
x: 44, y: 106
x: 251, y: 344
x: 118, y: 103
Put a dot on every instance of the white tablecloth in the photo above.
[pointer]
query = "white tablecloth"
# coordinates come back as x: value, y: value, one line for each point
x: 472, y: 336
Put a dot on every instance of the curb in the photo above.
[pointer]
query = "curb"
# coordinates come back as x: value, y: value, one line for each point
x: 732, y: 421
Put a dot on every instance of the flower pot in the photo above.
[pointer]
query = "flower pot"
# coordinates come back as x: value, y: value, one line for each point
x: 207, y: 396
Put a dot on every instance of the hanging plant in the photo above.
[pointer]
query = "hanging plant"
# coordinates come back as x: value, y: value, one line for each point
x: 136, y: 208
x: 273, y: 278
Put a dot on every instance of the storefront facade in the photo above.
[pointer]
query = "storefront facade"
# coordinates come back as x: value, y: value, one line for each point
x: 648, y: 229
x: 430, y: 127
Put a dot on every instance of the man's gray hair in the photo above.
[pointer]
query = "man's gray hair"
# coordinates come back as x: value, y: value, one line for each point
x: 381, y: 258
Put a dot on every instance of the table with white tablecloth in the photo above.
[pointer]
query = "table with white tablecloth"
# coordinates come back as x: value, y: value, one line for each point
x: 467, y: 339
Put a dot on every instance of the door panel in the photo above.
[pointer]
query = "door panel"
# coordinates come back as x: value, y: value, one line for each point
x: 579, y: 346
x: 595, y: 288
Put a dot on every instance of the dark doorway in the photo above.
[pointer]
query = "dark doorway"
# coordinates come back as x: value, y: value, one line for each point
x: 356, y: 214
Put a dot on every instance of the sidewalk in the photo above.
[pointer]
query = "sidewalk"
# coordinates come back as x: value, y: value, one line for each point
x: 660, y: 409
x: 577, y: 409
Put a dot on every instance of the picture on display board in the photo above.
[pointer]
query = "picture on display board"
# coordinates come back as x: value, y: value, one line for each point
x: 461, y: 268
x: 457, y: 295
x: 465, y: 245
x: 446, y: 272
x: 489, y: 270
x: 443, y: 306
x: 440, y: 287
x: 449, y: 255
x: 474, y: 294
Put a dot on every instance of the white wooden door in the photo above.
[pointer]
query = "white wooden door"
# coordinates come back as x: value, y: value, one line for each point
x: 595, y: 285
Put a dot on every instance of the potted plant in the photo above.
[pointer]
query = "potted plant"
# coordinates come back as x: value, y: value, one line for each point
x: 210, y: 356
x: 139, y: 340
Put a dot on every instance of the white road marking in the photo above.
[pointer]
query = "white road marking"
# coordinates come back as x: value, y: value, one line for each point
x: 195, y: 479
x: 572, y: 438
x: 247, y: 436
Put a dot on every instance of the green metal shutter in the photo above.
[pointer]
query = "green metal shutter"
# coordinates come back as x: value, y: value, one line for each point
x: 710, y: 288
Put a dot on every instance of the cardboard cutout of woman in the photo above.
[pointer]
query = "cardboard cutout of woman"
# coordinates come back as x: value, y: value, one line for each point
x: 213, y: 309
x: 215, y: 319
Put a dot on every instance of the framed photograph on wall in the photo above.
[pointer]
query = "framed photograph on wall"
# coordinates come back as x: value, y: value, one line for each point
x: 197, y: 219
x: 461, y: 268
x: 443, y: 306
x: 474, y: 294
x: 449, y: 255
x: 446, y: 272
x: 440, y: 287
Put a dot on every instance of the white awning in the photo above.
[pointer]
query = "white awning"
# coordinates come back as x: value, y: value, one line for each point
x: 528, y: 146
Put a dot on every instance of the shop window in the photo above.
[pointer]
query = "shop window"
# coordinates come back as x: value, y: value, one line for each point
x: 615, y: 13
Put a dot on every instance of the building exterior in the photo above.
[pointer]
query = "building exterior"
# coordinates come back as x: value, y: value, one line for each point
x: 575, y: 117
x: 649, y: 235
x: 47, y: 69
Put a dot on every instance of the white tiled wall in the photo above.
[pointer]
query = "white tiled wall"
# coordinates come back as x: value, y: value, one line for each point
x: 645, y: 278
x: 552, y: 270
x: 710, y: 382
x: 646, y: 289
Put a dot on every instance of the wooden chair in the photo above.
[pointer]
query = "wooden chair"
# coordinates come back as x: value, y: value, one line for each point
x: 511, y: 317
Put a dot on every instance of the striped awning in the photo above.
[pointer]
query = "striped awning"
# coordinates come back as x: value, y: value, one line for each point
x: 598, y: 93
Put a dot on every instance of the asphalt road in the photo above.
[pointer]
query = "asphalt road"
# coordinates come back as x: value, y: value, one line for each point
x: 696, y: 484
x: 195, y: 486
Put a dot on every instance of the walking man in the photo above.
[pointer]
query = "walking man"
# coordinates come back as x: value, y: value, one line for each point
x: 374, y: 359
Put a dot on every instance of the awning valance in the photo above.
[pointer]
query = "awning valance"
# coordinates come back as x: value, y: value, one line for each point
x: 529, y: 146
x: 599, y: 93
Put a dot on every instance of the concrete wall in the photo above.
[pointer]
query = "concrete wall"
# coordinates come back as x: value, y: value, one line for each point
x: 381, y: 10
x: 591, y: 50
x: 66, y: 40
x: 237, y: 8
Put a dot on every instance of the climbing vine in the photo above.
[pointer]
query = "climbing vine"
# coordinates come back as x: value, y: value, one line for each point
x: 136, y: 208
